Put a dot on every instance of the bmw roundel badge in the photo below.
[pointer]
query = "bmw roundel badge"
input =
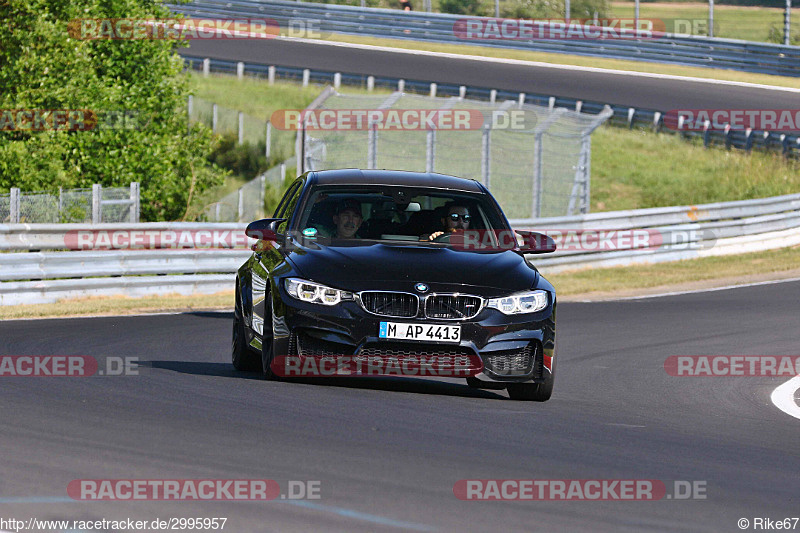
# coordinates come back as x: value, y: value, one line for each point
x: 421, y: 287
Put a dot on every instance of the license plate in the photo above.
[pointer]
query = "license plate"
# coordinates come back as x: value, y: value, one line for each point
x: 420, y: 332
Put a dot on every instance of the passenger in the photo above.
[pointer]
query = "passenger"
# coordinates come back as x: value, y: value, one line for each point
x: 457, y: 218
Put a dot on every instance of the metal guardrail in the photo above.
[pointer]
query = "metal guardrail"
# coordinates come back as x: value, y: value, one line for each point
x: 787, y: 143
x: 46, y: 276
x: 701, y: 51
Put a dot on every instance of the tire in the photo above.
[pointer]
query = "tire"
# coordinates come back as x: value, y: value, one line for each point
x: 473, y: 382
x: 533, y: 392
x: 242, y: 357
x: 267, y: 352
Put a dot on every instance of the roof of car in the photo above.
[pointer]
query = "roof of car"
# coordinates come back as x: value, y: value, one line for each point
x: 354, y: 176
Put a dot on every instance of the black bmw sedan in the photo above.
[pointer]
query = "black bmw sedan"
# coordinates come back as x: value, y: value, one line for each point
x: 365, y: 271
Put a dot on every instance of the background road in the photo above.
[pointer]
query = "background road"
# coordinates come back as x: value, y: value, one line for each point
x: 388, y: 451
x: 650, y: 93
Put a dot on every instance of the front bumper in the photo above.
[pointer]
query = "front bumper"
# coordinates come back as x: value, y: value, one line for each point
x: 510, y: 349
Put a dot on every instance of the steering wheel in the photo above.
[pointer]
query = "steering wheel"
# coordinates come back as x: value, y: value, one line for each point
x: 444, y: 238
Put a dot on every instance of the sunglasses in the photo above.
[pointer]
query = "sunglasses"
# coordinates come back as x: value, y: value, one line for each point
x: 454, y: 217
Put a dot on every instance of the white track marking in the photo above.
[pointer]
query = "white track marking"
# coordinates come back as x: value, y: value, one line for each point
x: 693, y: 291
x: 540, y: 64
x: 783, y: 397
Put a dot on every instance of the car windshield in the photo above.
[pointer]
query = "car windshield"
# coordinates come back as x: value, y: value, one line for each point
x: 365, y: 215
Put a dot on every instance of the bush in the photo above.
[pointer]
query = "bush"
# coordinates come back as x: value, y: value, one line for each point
x: 42, y: 67
x: 581, y: 9
x: 463, y: 7
x: 776, y: 35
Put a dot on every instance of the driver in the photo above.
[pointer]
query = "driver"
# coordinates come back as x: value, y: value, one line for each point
x: 347, y: 219
x: 456, y: 218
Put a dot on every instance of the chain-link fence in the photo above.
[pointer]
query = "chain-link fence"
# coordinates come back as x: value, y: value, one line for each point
x: 91, y: 206
x: 535, y: 160
x: 248, y: 202
x: 246, y: 128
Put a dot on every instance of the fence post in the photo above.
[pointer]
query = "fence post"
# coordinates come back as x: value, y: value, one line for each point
x: 337, y: 80
x: 587, y: 174
x: 267, y: 150
x: 206, y: 67
x: 283, y: 173
x: 261, y: 208
x: 486, y: 155
x: 214, y: 118
x: 240, y: 207
x: 536, y: 207
x: 135, y: 203
x: 271, y: 74
x: 190, y: 106
x: 60, y: 203
x: 787, y: 23
x: 401, y: 85
x: 306, y: 77
x: 372, y: 147
x: 240, y: 70
x: 710, y: 18
x: 97, y: 214
x: 216, y: 211
x: 14, y: 207
x: 430, y: 152
x: 241, y: 127
x: 370, y: 83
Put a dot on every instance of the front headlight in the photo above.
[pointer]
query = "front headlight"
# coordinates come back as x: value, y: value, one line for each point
x: 315, y: 293
x: 522, y: 302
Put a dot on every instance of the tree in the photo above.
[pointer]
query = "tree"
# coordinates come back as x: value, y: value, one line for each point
x: 43, y: 67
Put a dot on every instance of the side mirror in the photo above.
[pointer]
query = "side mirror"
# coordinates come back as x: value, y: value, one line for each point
x: 264, y: 229
x: 536, y: 243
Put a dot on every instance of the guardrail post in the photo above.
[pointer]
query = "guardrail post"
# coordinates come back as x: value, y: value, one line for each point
x: 797, y: 143
x: 241, y: 127
x: 214, y: 116
x: 657, y: 121
x: 578, y: 106
x: 97, y: 208
x: 631, y: 114
x: 727, y: 136
x: 706, y: 133
x: 401, y: 85
x: 486, y: 155
x: 433, y: 90
x: 370, y: 83
x: 372, y: 146
x: 206, y: 67
x: 748, y: 139
x: 268, y: 140
x: 271, y: 74
x: 493, y: 96
x: 521, y: 99
x: 430, y: 150
x: 767, y: 140
x: 133, y: 215
x: 784, y: 145
x: 551, y: 103
x: 337, y: 80
x: 462, y: 91
x: 14, y: 207
x: 240, y: 70
x: 306, y: 77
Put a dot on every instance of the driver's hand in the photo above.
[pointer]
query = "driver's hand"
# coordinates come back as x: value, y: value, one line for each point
x: 435, y: 234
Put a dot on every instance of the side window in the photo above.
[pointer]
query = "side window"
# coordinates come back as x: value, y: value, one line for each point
x: 290, y: 206
x: 284, y: 201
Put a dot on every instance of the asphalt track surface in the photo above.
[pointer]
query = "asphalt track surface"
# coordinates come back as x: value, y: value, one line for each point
x: 611, y: 88
x: 387, y: 452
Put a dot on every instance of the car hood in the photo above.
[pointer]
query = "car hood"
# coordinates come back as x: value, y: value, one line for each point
x: 400, y: 267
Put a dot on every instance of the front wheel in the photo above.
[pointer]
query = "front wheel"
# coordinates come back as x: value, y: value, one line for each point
x: 241, y: 356
x: 533, y: 392
x: 267, y: 350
